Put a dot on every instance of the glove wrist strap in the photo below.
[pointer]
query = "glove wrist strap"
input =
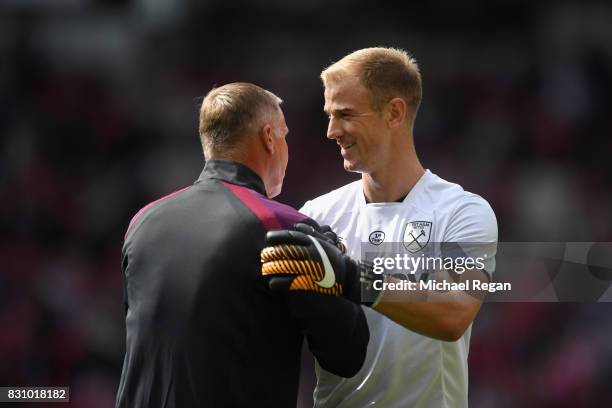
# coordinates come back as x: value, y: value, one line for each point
x: 368, y: 282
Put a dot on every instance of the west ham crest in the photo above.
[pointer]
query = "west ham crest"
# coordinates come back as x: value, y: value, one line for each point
x: 416, y: 235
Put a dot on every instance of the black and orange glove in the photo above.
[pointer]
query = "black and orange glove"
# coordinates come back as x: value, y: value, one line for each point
x: 321, y: 232
x: 293, y: 260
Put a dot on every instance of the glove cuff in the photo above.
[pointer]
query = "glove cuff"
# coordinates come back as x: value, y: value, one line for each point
x: 362, y: 290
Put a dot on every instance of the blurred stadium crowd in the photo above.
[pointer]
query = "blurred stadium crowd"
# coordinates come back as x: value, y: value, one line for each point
x: 99, y: 101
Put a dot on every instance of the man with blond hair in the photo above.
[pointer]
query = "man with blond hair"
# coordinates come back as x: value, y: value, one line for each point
x: 418, y: 349
x: 203, y: 328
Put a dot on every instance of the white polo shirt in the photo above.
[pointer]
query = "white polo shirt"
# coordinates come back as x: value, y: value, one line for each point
x: 403, y: 368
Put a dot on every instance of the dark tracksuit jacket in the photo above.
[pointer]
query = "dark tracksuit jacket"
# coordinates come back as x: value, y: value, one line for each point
x: 203, y: 329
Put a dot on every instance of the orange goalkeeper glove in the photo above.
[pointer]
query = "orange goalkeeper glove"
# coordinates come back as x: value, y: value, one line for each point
x: 293, y: 260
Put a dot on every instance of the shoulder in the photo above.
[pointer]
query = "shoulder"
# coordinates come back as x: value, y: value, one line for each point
x: 340, y: 200
x: 469, y: 216
x: 474, y: 218
x: 155, y: 206
x: 272, y: 214
x: 445, y: 196
x: 437, y: 193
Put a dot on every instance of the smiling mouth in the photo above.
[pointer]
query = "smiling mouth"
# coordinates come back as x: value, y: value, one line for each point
x: 347, y: 146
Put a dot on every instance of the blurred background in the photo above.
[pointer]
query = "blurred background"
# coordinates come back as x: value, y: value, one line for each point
x: 98, y: 117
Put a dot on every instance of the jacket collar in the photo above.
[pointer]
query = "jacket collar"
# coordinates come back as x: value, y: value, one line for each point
x: 232, y: 172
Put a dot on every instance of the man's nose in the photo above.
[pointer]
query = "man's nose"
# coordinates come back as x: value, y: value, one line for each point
x: 333, y: 129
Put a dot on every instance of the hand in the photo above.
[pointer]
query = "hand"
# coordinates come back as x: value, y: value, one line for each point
x: 321, y: 232
x: 293, y: 260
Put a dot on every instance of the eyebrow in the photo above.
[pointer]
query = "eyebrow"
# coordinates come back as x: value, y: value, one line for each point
x: 339, y: 111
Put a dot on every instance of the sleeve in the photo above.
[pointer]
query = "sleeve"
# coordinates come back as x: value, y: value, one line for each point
x: 307, y: 208
x: 473, y: 225
x: 314, y: 213
x: 336, y: 329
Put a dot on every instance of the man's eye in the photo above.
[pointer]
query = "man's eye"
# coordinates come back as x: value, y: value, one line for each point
x: 338, y: 115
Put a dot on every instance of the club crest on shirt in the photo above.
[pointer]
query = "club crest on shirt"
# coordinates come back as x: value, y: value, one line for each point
x: 416, y: 235
x: 377, y: 237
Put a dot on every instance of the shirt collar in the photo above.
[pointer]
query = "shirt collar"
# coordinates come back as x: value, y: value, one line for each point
x: 232, y: 172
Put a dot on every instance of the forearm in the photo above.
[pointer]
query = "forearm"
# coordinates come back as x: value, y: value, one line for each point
x: 445, y: 321
x: 336, y: 330
x: 440, y: 315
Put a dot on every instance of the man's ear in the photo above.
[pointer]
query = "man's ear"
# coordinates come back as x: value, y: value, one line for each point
x: 267, y: 138
x: 396, y: 112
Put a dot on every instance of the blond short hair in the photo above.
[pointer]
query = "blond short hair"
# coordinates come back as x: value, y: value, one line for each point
x: 230, y: 112
x: 386, y: 72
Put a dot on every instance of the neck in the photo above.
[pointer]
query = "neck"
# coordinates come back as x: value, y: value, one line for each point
x: 395, y: 177
x: 253, y: 162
